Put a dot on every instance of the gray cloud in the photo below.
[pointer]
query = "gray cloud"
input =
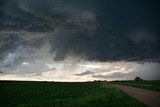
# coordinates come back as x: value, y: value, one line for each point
x: 116, y: 75
x: 94, y: 31
x: 45, y: 16
x: 147, y: 71
x: 56, y: 39
x: 143, y: 36
x: 85, y: 73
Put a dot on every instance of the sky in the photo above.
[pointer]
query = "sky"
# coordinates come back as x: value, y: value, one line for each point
x: 79, y: 40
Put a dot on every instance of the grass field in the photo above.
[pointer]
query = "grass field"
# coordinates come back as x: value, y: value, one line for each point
x: 150, y: 85
x: 54, y: 94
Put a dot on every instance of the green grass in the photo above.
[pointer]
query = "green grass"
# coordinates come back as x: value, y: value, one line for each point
x: 150, y: 85
x: 54, y: 94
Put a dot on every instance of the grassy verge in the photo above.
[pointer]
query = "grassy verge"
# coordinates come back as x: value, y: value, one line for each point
x: 150, y: 85
x: 44, y: 94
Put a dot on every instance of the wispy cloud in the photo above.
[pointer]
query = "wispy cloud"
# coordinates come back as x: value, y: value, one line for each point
x: 85, y: 73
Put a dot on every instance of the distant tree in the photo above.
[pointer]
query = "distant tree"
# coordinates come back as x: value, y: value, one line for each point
x: 138, y: 79
x: 97, y: 80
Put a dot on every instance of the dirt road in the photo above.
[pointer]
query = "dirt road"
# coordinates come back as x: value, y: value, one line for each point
x: 150, y: 98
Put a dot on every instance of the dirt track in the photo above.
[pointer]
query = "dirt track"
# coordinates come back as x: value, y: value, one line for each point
x: 150, y: 98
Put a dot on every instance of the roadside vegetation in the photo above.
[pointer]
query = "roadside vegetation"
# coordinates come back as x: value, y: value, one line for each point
x: 149, y: 85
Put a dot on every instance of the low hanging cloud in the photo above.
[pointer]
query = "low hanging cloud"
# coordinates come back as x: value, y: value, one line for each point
x: 61, y: 71
x: 116, y: 75
x: 124, y: 71
x: 85, y: 73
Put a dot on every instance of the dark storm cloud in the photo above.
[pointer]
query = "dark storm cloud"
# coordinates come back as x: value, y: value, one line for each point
x: 44, y: 16
x: 17, y: 47
x: 10, y: 46
x: 98, y: 30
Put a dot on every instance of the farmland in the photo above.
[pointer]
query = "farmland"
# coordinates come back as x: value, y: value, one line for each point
x: 63, y: 94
